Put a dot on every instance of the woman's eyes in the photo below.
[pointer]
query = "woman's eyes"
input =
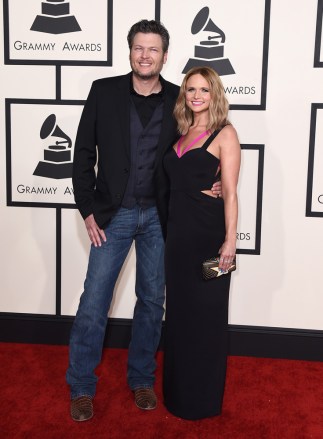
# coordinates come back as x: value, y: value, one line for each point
x: 204, y: 90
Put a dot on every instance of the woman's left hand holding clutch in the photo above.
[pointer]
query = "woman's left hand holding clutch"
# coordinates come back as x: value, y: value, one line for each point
x: 227, y: 255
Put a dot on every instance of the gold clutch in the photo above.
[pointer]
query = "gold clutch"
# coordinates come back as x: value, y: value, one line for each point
x: 210, y: 268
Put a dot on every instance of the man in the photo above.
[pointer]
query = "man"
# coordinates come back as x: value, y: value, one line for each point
x: 126, y: 125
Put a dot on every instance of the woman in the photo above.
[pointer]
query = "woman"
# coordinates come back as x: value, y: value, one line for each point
x: 199, y: 227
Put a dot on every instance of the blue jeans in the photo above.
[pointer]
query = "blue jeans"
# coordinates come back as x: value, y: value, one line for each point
x: 105, y: 262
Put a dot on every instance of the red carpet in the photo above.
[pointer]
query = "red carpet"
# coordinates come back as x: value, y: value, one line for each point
x: 264, y: 399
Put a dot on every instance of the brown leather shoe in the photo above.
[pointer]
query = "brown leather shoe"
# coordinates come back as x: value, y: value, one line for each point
x: 82, y: 408
x: 145, y: 398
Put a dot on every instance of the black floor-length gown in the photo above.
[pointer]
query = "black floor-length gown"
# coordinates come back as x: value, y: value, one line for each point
x: 195, y: 343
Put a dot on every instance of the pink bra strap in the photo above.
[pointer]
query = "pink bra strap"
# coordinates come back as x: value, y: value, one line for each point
x: 190, y: 145
x: 179, y: 145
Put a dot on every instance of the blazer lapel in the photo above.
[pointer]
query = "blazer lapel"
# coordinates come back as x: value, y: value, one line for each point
x: 168, y: 128
x: 123, y: 109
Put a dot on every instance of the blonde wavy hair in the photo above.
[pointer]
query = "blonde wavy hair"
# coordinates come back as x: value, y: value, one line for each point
x: 219, y: 106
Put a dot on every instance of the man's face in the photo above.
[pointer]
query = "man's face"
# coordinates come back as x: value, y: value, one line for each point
x: 146, y: 55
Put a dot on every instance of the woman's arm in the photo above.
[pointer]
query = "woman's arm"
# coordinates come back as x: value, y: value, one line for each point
x: 230, y: 157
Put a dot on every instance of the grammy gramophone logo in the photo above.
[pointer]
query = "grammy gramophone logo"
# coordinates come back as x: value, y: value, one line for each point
x: 210, y: 51
x: 55, y: 18
x: 57, y: 161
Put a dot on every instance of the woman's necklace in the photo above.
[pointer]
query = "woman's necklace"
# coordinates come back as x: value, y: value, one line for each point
x: 188, y: 147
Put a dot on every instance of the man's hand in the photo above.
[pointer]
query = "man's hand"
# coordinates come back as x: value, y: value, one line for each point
x: 96, y: 234
x: 216, y: 189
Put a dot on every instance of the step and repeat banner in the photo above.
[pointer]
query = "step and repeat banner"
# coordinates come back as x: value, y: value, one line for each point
x: 271, y: 80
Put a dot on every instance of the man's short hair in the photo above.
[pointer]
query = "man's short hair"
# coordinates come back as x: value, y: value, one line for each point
x: 149, y: 27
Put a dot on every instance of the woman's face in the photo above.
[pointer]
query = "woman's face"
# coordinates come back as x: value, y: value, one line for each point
x: 197, y: 93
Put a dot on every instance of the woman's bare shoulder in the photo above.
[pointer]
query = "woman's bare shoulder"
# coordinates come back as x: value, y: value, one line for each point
x: 229, y: 132
x: 228, y: 135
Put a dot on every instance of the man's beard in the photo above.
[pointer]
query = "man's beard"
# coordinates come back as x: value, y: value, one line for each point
x: 147, y: 76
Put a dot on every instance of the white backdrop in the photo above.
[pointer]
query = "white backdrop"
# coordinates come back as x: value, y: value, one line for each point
x: 278, y: 281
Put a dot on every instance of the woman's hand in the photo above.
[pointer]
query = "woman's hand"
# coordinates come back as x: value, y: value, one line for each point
x: 227, y: 255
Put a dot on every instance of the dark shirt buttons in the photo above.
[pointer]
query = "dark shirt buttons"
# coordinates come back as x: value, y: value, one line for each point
x: 118, y: 196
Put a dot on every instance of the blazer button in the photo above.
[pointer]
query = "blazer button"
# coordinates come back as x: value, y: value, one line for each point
x: 126, y: 170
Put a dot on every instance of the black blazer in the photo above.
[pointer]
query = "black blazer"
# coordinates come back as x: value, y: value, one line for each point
x: 103, y: 138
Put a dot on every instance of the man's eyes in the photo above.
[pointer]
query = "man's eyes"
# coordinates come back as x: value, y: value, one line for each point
x: 140, y: 49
